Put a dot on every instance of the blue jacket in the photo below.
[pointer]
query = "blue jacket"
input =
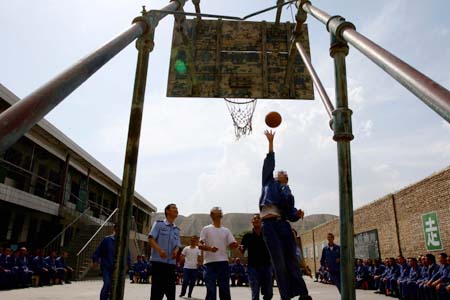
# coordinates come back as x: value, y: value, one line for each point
x: 106, y: 252
x: 329, y: 258
x: 414, y: 274
x: 273, y: 193
x: 237, y: 269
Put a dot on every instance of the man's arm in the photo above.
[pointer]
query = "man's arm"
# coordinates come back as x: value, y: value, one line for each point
x: 157, y: 248
x: 269, y: 161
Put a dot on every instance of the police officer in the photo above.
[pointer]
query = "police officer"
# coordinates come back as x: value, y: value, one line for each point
x: 164, y: 238
x: 277, y: 205
x: 331, y: 259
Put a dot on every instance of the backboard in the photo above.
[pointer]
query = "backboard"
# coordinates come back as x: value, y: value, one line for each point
x: 236, y: 59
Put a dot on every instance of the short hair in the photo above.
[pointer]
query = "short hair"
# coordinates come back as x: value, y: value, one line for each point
x: 444, y: 255
x: 431, y: 257
x: 167, y: 208
x: 215, y: 208
x: 329, y: 233
x: 284, y: 173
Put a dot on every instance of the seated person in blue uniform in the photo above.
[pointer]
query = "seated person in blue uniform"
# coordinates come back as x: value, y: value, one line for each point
x: 55, y: 275
x: 443, y: 289
x: 40, y: 268
x: 6, y: 275
x: 62, y: 266
x: 402, y: 274
x: 427, y: 273
x: 237, y: 274
x: 362, y: 275
x: 407, y: 286
x: 23, y: 268
x: 139, y: 270
x: 437, y: 278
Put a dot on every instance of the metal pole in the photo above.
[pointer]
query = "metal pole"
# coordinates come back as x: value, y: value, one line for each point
x: 144, y: 45
x: 342, y: 127
x: 316, y: 80
x: 278, y: 15
x: 430, y: 92
x: 20, y: 117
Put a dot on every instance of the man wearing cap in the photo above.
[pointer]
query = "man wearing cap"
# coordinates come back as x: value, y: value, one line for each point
x: 164, y: 238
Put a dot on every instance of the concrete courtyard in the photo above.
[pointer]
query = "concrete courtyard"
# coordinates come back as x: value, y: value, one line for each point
x: 89, y: 290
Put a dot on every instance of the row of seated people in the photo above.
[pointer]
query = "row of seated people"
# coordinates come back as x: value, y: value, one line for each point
x: 19, y: 269
x: 411, y: 278
x: 141, y: 271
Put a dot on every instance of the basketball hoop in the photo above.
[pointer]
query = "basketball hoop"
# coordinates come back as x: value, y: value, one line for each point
x: 241, y: 111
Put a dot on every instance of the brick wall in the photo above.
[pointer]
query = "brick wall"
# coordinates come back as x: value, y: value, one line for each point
x: 397, y: 218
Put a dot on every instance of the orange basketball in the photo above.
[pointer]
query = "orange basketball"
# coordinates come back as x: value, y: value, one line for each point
x: 273, y: 119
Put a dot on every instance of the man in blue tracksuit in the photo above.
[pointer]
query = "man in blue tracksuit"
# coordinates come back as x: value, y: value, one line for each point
x: 104, y: 254
x: 331, y: 259
x: 277, y: 205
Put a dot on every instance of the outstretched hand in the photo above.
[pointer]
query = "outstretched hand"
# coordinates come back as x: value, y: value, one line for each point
x: 269, y: 134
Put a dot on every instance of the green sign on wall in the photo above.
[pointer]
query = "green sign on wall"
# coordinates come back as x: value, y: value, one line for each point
x: 431, y: 230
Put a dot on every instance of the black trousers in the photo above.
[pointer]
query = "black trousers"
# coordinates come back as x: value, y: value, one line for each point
x: 163, y: 281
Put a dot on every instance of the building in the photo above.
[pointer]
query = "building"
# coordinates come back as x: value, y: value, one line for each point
x: 54, y: 195
x: 409, y: 222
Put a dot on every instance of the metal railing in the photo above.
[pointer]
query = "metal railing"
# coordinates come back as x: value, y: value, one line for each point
x: 56, y: 238
x: 82, y: 255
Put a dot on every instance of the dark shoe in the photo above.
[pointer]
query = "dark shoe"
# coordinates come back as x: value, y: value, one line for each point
x: 305, y: 297
x: 181, y: 295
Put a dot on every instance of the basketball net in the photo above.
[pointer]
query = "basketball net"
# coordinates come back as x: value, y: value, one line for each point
x: 241, y: 111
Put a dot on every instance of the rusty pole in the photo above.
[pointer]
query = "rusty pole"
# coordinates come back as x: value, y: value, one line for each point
x: 430, y: 92
x: 20, y: 117
x: 342, y: 126
x: 144, y: 45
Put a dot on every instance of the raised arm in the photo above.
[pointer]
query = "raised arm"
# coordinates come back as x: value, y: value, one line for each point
x: 269, y: 161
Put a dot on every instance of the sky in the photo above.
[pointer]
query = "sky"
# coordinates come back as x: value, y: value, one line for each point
x: 188, y: 152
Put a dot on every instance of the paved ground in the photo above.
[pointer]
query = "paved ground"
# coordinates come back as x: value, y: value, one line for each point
x: 90, y: 290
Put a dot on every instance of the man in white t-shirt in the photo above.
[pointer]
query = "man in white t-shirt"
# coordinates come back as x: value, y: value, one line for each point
x: 214, y: 241
x: 191, y: 255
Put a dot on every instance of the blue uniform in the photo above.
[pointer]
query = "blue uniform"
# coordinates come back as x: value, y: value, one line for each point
x: 105, y: 252
x: 237, y: 272
x: 167, y: 236
x: 277, y: 232
x: 329, y: 260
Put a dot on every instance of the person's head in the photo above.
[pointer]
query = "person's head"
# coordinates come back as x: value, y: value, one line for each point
x: 330, y: 238
x: 194, y: 240
x: 359, y: 262
x: 53, y: 254
x: 139, y: 258
x: 443, y: 258
x: 171, y: 211
x: 23, y: 251
x: 237, y: 260
x: 412, y: 261
x: 64, y: 254
x: 392, y: 261
x: 6, y: 251
x: 369, y: 262
x: 282, y: 177
x: 216, y: 213
x: 430, y: 259
x: 256, y: 221
x: 401, y: 260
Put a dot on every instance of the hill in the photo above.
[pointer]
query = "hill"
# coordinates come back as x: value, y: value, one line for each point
x: 238, y: 222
